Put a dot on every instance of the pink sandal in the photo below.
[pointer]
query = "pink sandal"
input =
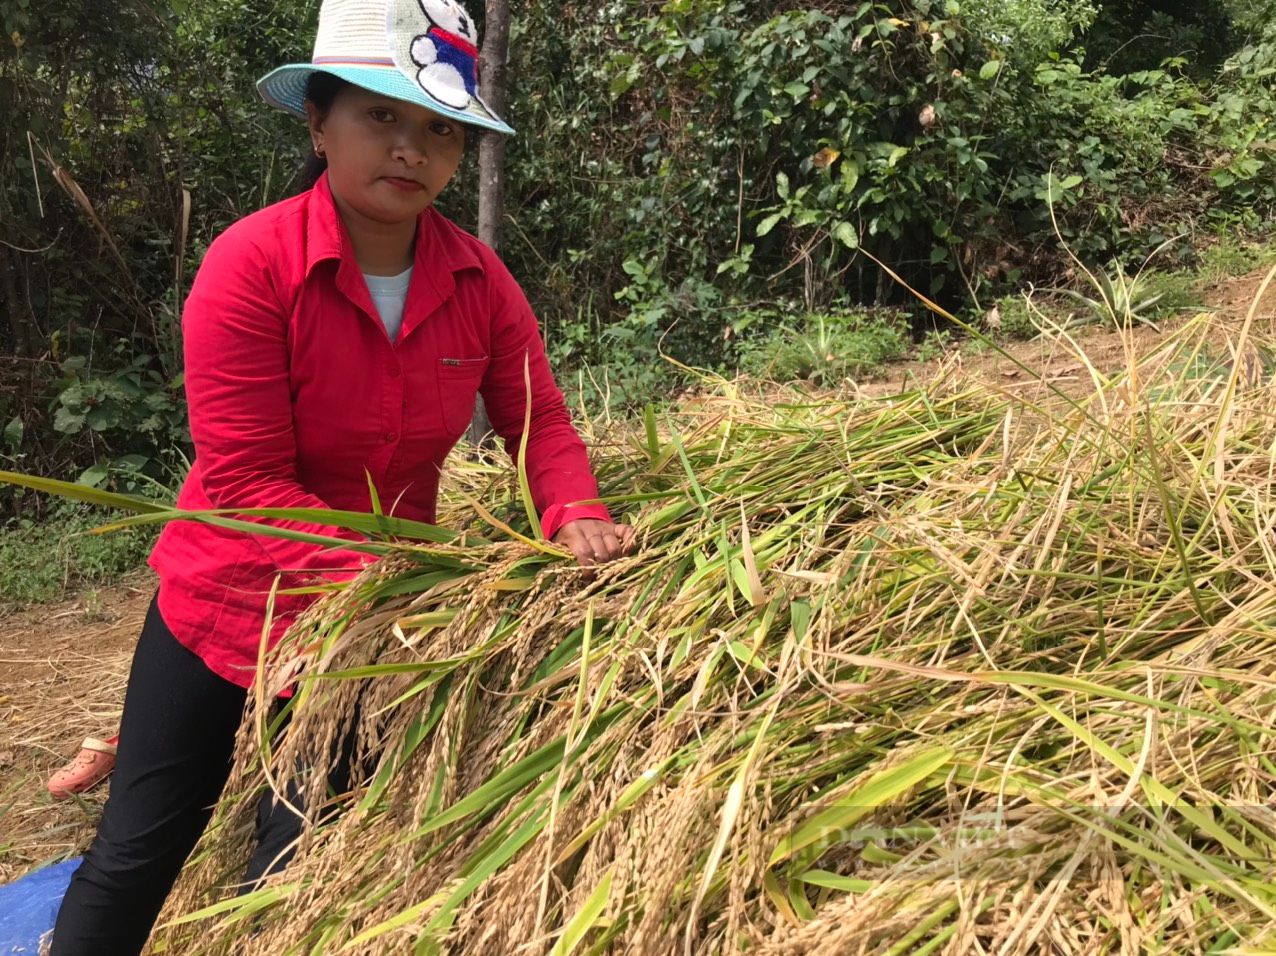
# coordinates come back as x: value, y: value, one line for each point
x: 91, y: 766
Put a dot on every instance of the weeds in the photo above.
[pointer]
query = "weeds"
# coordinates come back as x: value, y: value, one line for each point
x: 1121, y: 300
x: 1230, y: 256
x: 826, y: 349
x: 40, y: 559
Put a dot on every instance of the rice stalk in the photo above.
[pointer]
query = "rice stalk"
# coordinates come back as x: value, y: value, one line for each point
x: 948, y: 671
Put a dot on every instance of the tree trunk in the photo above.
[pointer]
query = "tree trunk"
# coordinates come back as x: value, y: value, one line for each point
x: 492, y: 146
x: 492, y: 160
x: 21, y: 322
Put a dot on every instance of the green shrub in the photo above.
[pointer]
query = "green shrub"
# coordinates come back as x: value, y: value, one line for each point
x: 40, y: 559
x: 826, y: 349
x: 1233, y: 256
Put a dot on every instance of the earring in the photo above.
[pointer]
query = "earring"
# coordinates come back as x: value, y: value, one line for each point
x: 319, y: 152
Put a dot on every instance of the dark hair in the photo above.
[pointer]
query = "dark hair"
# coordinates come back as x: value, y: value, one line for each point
x: 321, y: 90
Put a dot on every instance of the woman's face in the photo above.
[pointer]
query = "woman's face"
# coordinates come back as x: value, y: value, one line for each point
x: 388, y: 160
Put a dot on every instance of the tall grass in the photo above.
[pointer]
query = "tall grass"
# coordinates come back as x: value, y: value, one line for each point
x: 956, y: 671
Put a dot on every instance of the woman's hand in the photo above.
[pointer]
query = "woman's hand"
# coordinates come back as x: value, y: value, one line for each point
x: 596, y: 542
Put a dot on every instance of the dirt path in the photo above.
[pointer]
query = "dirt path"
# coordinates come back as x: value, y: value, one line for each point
x: 62, y: 675
x: 1058, y: 362
x: 63, y: 665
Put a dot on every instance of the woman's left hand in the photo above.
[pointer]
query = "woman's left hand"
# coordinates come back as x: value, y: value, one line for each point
x: 596, y: 542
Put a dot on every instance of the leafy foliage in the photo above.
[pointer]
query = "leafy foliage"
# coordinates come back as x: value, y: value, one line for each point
x: 758, y: 149
x: 680, y: 166
x: 110, y: 116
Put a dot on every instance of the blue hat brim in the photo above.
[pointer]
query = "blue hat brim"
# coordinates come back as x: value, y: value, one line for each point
x: 285, y: 89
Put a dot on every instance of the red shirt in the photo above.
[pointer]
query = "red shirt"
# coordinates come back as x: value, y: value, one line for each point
x: 297, y: 395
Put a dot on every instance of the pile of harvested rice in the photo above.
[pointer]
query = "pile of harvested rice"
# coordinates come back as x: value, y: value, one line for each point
x: 949, y: 672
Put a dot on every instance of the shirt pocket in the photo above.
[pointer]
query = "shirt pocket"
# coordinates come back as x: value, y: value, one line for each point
x: 459, y: 380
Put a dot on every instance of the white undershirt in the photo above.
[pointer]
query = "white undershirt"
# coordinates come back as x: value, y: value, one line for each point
x: 388, y: 295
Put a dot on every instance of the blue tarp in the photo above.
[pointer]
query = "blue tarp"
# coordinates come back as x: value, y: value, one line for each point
x: 29, y: 906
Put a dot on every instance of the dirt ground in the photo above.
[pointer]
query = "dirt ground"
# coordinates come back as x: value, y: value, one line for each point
x: 63, y: 666
x: 1057, y: 363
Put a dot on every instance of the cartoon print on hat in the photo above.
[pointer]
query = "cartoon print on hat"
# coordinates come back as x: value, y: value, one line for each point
x: 446, y: 54
x: 422, y: 51
x: 434, y: 42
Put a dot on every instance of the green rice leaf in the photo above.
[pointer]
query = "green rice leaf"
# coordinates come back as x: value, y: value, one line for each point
x: 580, y: 924
x: 524, y: 488
x: 829, y: 825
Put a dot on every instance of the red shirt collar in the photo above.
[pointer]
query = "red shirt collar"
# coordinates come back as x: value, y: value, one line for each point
x: 326, y: 237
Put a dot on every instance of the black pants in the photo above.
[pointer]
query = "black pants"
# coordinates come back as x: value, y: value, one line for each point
x: 177, y: 738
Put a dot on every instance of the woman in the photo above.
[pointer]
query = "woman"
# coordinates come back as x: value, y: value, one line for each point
x: 331, y: 337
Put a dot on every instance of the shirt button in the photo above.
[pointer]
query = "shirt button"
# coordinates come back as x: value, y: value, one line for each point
x: 390, y: 437
x: 394, y: 371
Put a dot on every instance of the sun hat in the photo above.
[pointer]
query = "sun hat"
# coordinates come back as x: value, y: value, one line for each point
x: 421, y: 51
